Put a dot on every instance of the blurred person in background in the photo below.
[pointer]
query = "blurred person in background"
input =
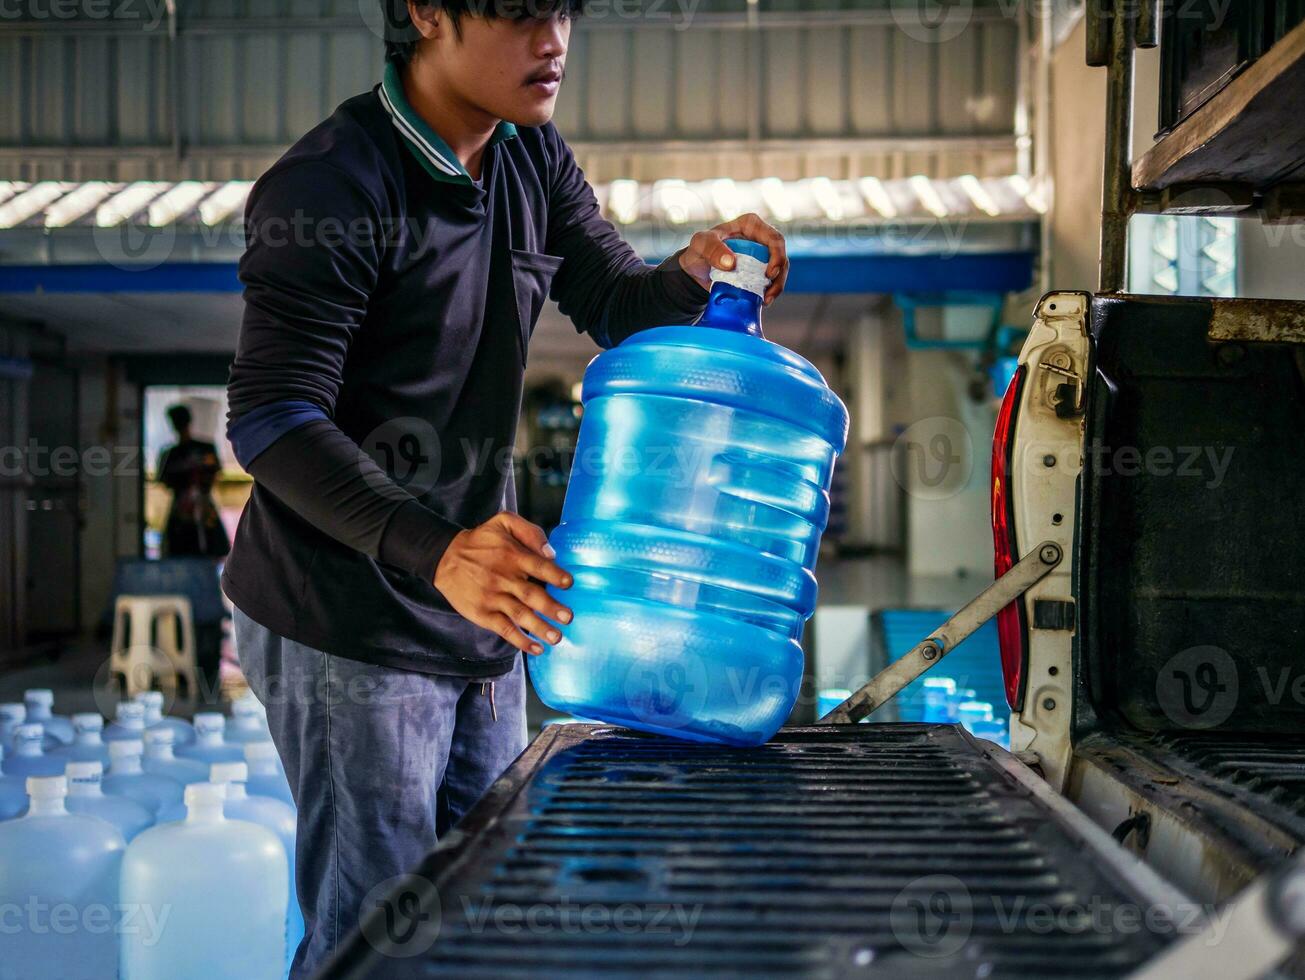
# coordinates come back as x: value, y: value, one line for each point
x: 189, y: 469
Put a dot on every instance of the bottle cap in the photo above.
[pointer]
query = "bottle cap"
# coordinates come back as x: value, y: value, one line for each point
x: 228, y: 772
x: 209, y: 721
x: 130, y: 714
x: 126, y: 747
x: 87, y: 722
x: 39, y: 695
x: 84, y: 772
x: 150, y: 698
x: 160, y: 736
x: 12, y: 711
x: 29, y: 731
x: 46, y: 787
x: 248, y: 706
x: 205, y: 794
x: 256, y: 751
x: 741, y: 246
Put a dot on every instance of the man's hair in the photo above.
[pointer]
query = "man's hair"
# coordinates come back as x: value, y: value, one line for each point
x: 401, y: 36
x: 179, y: 416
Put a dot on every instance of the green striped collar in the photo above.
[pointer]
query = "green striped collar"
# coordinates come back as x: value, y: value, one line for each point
x: 432, y: 152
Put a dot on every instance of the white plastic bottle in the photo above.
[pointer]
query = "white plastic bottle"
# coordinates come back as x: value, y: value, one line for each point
x: 248, y: 721
x: 127, y: 778
x: 28, y: 758
x: 210, y: 745
x: 39, y: 702
x: 276, y: 817
x: 86, y: 795
x: 225, y: 884
x: 160, y: 760
x: 59, y: 869
x: 154, y: 717
x: 88, y: 744
x: 128, y: 722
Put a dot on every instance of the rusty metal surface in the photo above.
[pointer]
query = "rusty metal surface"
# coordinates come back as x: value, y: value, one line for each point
x: 1258, y: 320
x: 837, y: 851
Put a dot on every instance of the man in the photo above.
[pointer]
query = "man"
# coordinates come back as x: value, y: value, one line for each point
x: 188, y: 468
x: 399, y: 257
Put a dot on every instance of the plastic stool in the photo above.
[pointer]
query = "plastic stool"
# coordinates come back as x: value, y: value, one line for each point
x: 139, y: 656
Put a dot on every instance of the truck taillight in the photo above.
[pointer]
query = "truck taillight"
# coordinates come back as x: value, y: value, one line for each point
x: 1010, y: 620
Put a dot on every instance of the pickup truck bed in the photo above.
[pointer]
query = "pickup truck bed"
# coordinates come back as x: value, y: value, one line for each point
x: 876, y: 850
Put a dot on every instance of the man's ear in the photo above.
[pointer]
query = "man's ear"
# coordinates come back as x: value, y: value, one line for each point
x: 427, y: 18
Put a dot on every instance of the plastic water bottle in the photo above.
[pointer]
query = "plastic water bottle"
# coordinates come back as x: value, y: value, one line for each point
x: 276, y: 817
x: 128, y: 779
x: 161, y: 761
x: 128, y: 722
x: 39, y: 702
x: 248, y: 721
x: 53, y: 859
x: 28, y: 757
x: 13, y: 793
x: 225, y: 884
x: 86, y: 795
x: 210, y: 745
x: 154, y: 717
x: 87, y: 745
x: 13, y: 714
x: 692, y: 524
x: 266, y: 777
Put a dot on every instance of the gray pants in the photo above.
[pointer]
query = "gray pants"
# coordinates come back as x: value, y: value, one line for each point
x: 381, y: 762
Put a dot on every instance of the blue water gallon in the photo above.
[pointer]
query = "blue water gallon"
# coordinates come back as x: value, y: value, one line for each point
x: 224, y: 883
x: 161, y: 760
x: 266, y: 777
x: 86, y: 795
x: 28, y: 756
x: 692, y: 521
x: 127, y: 778
x: 13, y: 714
x: 154, y: 717
x: 88, y: 744
x: 39, y: 702
x: 13, y: 792
x: 210, y: 743
x: 248, y: 721
x: 59, y: 887
x: 128, y: 722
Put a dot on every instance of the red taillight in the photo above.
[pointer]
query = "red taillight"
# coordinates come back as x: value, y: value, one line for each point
x: 1010, y: 621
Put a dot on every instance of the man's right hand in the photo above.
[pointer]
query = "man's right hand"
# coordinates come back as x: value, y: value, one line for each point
x: 491, y: 575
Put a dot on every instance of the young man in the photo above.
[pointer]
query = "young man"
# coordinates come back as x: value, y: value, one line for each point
x: 399, y: 256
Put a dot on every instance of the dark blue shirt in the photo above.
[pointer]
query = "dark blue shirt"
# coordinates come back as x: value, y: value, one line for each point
x: 389, y: 302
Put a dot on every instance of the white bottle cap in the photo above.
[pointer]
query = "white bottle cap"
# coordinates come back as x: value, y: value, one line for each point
x: 84, y: 772
x: 246, y: 707
x: 46, y: 787
x: 150, y: 698
x: 126, y: 747
x: 12, y: 711
x: 89, y: 721
x: 205, y: 794
x: 159, y: 736
x: 39, y: 695
x: 258, y: 751
x: 130, y: 714
x: 29, y: 731
x: 228, y: 772
x: 209, y: 721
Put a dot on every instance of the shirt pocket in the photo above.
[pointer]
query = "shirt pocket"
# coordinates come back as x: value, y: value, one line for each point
x: 532, y: 275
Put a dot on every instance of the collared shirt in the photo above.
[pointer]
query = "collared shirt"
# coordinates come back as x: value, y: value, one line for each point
x: 389, y: 303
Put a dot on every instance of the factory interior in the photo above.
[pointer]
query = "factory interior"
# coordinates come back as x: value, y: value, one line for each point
x: 935, y: 170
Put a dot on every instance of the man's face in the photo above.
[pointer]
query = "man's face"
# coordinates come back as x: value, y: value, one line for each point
x: 509, y: 69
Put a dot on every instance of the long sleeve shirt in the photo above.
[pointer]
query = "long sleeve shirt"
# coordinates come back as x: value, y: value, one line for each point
x: 374, y: 395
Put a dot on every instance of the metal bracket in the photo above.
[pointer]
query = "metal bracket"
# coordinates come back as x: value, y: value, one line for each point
x: 888, y: 683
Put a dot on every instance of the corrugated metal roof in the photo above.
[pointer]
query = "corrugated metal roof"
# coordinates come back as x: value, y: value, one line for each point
x: 687, y: 89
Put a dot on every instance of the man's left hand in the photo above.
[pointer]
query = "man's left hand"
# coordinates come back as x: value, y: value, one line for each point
x: 707, y: 250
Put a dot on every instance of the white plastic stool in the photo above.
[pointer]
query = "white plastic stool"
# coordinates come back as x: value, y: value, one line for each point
x: 139, y: 655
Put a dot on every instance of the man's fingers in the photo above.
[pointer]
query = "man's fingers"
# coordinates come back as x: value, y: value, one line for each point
x: 504, y: 627
x: 711, y: 246
x: 532, y: 565
x: 528, y: 622
x: 537, y: 599
x: 530, y: 535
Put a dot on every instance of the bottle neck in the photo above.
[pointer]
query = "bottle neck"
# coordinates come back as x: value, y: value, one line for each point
x: 209, y: 739
x: 235, y: 791
x: 29, y: 747
x: 160, y: 753
x: 204, y: 813
x: 90, y: 738
x: 46, y: 806
x: 733, y: 308
x: 89, y: 787
x: 126, y: 765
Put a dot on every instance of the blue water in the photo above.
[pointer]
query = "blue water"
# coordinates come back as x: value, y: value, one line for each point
x: 691, y: 526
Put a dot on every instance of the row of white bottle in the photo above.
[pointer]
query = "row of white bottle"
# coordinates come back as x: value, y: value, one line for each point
x: 207, y: 896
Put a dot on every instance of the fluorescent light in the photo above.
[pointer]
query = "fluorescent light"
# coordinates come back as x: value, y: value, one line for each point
x: 181, y: 199
x: 827, y: 197
x: 1033, y: 197
x: 725, y: 195
x: 979, y: 195
x: 32, y: 201
x: 877, y: 196
x: 77, y: 204
x: 674, y: 199
x: 8, y: 188
x: 623, y: 201
x: 778, y: 198
x: 223, y: 202
x: 128, y: 202
x: 928, y: 195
